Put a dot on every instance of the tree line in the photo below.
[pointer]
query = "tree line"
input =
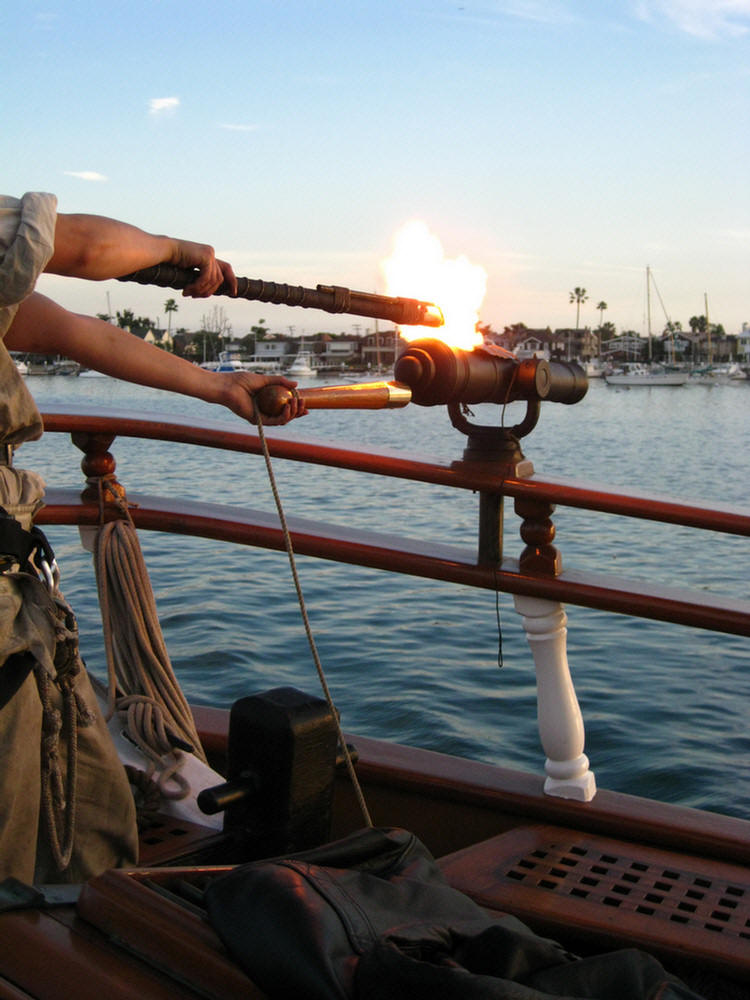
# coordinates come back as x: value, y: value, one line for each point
x: 697, y: 324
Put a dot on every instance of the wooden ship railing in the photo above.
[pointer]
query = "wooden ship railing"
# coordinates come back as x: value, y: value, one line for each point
x: 539, y: 586
x: 534, y: 498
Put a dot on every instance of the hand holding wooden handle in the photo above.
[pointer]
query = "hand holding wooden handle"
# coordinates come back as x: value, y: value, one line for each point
x: 365, y: 396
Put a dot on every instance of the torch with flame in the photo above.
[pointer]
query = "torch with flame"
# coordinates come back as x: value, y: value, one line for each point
x: 455, y: 370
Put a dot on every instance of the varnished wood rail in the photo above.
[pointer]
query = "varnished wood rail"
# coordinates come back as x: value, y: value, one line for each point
x: 475, y: 476
x: 432, y: 560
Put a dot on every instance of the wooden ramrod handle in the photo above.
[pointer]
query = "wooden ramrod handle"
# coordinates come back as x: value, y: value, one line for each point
x: 365, y: 396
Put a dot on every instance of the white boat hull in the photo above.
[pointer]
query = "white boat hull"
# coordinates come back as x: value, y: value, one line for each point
x: 643, y: 376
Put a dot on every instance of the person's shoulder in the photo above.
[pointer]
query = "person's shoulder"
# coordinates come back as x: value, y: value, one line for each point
x: 32, y: 205
x: 38, y: 202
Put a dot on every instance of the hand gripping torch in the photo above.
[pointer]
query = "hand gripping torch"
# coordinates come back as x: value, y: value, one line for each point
x: 329, y: 298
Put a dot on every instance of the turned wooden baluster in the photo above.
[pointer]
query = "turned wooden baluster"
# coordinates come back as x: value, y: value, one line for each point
x: 559, y: 715
x: 98, y: 466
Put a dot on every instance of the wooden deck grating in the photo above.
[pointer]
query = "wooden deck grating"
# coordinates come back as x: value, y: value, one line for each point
x: 587, y: 888
x: 684, y: 897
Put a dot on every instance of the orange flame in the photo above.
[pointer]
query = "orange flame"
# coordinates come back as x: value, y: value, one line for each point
x: 418, y: 269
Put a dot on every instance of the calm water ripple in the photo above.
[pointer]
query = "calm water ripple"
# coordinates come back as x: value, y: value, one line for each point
x: 665, y: 708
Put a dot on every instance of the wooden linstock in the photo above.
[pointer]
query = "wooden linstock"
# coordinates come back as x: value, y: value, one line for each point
x: 365, y: 396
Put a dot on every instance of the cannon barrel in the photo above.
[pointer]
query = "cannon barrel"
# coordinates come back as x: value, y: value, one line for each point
x: 329, y: 298
x: 438, y: 374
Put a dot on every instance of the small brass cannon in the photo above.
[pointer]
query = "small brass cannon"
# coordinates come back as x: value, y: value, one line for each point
x: 431, y: 373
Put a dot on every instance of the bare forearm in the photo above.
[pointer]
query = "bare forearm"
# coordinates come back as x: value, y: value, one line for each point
x: 97, y: 248
x: 42, y: 326
x: 91, y: 246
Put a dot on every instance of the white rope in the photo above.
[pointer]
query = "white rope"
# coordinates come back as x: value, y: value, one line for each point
x: 308, y: 630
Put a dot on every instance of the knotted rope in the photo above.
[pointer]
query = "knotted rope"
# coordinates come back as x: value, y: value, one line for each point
x: 58, y: 797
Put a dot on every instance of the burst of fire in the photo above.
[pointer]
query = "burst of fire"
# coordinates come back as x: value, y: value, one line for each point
x: 418, y: 269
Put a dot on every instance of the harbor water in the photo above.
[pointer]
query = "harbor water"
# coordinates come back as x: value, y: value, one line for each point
x: 665, y: 708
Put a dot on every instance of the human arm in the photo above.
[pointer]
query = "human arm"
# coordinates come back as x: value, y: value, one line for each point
x: 95, y: 247
x: 42, y: 326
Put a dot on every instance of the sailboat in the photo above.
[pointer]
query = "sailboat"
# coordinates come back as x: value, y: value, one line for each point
x: 642, y: 374
x: 709, y: 374
x: 302, y: 364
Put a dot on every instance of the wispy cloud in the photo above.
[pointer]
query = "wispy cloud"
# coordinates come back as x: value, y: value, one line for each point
x: 163, y: 105
x: 493, y: 11
x: 542, y: 11
x: 237, y: 128
x: 46, y: 20
x: 85, y: 175
x: 709, y: 19
x: 737, y: 235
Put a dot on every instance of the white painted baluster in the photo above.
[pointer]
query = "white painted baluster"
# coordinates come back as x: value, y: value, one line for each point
x: 559, y: 715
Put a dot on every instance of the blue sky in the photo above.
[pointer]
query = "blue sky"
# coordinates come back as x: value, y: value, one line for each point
x: 557, y: 143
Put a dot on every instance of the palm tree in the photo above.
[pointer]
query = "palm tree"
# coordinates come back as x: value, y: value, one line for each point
x: 170, y: 306
x: 578, y: 295
x: 601, y: 306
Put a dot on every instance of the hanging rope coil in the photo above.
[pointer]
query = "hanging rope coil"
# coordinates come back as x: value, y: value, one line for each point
x: 143, y: 688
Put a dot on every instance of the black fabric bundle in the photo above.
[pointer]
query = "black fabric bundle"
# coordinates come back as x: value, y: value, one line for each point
x: 371, y: 917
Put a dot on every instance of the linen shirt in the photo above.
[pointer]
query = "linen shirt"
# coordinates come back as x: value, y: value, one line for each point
x: 27, y: 241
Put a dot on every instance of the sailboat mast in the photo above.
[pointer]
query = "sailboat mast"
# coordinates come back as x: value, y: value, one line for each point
x: 708, y: 330
x: 648, y: 308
